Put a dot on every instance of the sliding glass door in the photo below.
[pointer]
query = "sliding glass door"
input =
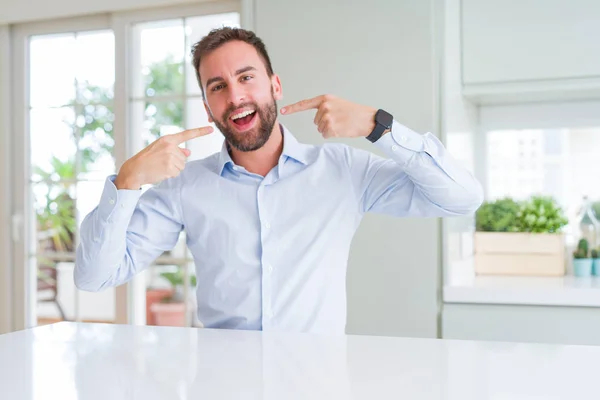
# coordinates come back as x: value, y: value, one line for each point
x: 66, y: 118
x: 89, y: 93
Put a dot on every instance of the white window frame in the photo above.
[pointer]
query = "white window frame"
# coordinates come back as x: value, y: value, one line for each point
x: 14, y: 58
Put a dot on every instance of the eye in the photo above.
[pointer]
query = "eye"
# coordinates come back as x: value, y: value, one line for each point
x: 246, y: 77
x: 217, y: 87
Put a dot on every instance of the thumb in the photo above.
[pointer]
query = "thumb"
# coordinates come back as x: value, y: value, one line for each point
x: 186, y: 152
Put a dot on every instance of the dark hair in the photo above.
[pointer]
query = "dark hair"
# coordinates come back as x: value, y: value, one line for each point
x: 218, y: 37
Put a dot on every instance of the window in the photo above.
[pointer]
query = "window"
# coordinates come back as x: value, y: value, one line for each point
x: 70, y: 114
x: 558, y: 162
x: 96, y: 90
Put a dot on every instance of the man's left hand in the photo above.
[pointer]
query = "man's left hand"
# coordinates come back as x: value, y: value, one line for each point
x: 337, y: 117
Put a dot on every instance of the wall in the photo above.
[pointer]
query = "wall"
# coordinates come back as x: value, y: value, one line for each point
x: 378, y: 53
x: 12, y: 11
x: 5, y: 286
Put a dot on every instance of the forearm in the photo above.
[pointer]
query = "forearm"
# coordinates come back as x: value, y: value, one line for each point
x: 102, y: 259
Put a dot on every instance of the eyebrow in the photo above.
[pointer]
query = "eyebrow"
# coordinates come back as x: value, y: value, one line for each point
x: 238, y: 72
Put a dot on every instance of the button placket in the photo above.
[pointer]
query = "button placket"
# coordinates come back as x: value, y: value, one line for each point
x: 267, y: 267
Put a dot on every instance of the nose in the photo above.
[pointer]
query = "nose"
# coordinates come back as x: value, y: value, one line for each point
x: 236, y: 95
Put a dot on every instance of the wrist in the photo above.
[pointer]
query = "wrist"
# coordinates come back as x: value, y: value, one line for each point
x: 382, y: 122
x: 371, y: 124
x: 126, y: 181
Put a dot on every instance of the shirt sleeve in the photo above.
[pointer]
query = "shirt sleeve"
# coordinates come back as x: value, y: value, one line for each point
x: 420, y: 178
x: 126, y: 232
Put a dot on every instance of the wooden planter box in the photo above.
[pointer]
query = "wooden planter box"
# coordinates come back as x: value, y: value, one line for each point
x: 524, y: 254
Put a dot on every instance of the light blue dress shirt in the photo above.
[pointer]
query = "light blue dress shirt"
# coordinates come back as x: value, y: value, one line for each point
x: 271, y: 253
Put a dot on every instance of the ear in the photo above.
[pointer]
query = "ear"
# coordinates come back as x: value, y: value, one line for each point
x: 277, y: 90
x: 208, y: 113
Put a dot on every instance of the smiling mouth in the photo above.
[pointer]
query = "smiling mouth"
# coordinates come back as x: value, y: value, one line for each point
x: 244, y: 119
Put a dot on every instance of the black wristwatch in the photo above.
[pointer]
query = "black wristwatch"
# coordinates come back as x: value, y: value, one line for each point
x: 383, y: 122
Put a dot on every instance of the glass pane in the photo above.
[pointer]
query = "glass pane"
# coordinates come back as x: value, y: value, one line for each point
x: 88, y: 197
x: 165, y: 295
x: 560, y: 163
x: 97, y: 141
x: 95, y: 68
x: 159, y: 119
x: 54, y: 206
x: 515, y: 163
x: 58, y: 299
x: 195, y: 29
x: 196, y: 117
x: 55, y: 290
x: 162, y: 46
x: 53, y: 146
x: 52, y: 70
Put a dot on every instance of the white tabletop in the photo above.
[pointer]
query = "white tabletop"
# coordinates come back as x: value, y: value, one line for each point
x: 101, y: 361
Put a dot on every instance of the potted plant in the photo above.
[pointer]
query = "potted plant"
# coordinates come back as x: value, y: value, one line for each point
x: 520, y: 238
x: 170, y: 310
x: 582, y: 263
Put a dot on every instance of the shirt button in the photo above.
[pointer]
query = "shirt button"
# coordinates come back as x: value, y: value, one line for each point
x: 111, y: 201
x: 267, y: 225
x: 403, y: 138
x: 394, y: 148
x: 269, y: 268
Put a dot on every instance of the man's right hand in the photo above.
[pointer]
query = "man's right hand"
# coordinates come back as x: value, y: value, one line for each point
x: 160, y: 160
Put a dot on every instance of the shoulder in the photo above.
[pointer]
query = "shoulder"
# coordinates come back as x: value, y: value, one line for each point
x: 343, y: 152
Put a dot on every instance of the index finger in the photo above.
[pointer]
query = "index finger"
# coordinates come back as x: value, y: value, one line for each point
x: 303, y: 105
x: 189, y: 134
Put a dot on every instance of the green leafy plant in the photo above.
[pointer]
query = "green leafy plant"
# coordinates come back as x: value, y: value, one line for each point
x: 540, y: 214
x: 582, y: 249
x: 177, y: 280
x: 497, y: 216
x: 594, y: 253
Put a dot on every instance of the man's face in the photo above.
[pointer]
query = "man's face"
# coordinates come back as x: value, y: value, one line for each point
x: 240, y: 97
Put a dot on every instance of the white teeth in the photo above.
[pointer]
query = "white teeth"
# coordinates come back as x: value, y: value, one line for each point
x: 243, y: 114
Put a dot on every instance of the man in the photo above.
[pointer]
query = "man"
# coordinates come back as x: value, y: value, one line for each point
x: 268, y: 220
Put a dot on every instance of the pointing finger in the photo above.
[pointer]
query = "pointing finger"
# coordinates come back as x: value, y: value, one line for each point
x: 191, y: 134
x: 303, y: 105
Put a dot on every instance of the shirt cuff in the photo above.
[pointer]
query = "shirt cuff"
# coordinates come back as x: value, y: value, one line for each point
x: 401, y: 143
x: 115, y: 204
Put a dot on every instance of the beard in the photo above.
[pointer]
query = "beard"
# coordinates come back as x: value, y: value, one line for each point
x: 254, y: 138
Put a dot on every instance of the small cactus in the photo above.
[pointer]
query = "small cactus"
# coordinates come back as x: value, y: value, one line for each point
x: 583, y: 245
x: 582, y: 249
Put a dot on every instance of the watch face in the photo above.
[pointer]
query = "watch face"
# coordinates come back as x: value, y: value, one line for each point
x: 384, y: 118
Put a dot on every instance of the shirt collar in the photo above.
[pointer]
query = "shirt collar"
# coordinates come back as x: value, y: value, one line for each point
x: 291, y: 148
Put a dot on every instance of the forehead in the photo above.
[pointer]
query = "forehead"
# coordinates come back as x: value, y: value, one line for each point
x: 228, y: 58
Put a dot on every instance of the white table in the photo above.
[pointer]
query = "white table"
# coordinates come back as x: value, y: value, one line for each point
x: 97, y: 361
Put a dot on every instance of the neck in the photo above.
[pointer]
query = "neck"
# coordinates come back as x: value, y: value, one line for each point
x: 263, y: 160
